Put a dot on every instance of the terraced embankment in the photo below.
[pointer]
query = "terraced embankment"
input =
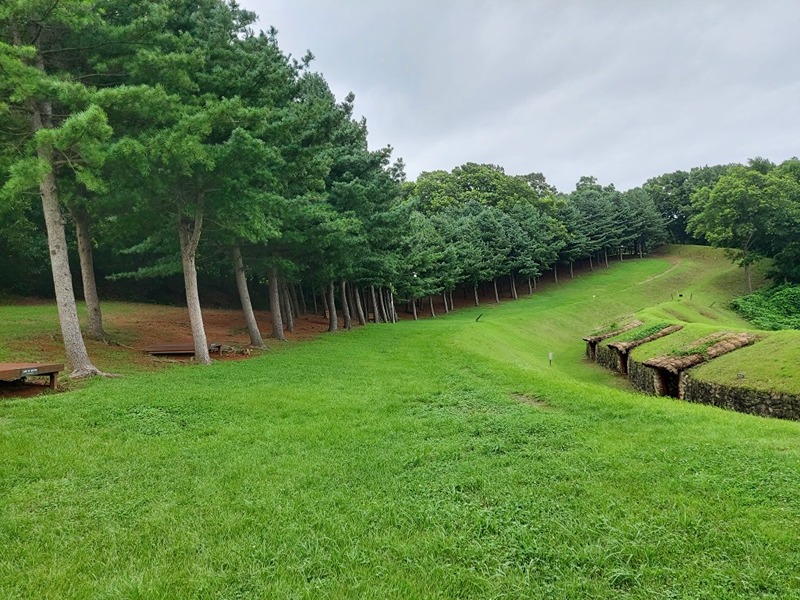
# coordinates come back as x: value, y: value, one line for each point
x: 707, y: 362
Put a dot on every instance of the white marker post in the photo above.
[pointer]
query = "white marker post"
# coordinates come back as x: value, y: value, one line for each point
x: 550, y: 357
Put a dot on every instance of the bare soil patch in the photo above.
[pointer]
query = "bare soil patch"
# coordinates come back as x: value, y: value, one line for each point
x: 532, y: 401
x: 150, y: 325
x: 19, y: 389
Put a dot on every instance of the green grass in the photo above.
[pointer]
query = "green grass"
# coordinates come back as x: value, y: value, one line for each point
x: 641, y: 332
x: 442, y: 458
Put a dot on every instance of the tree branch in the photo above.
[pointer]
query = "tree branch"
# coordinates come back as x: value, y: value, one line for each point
x: 39, y: 23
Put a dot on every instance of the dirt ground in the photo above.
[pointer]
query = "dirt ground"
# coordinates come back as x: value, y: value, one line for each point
x: 153, y: 325
x: 17, y: 389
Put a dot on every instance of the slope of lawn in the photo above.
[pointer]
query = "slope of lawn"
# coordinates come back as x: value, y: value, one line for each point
x: 443, y: 458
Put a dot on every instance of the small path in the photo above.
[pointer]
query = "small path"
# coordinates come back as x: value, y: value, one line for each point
x: 677, y: 264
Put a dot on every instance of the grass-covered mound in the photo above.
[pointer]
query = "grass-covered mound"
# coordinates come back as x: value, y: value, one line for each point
x: 433, y: 459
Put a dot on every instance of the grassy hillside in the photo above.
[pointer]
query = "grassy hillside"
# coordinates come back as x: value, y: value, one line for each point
x: 433, y: 459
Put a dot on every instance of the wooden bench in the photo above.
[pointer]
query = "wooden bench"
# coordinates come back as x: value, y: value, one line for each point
x: 21, y: 371
x: 179, y: 348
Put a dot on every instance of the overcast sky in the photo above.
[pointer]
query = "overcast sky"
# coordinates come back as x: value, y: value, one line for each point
x: 620, y: 89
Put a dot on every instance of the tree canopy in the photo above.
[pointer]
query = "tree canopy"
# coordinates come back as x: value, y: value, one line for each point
x: 752, y: 211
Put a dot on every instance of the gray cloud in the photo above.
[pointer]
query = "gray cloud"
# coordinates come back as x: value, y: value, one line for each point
x: 620, y: 89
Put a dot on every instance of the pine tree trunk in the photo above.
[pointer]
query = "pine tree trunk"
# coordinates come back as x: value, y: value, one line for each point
x: 95, y: 329
x: 351, y: 302
x: 244, y: 297
x: 513, y: 287
x: 477, y: 302
x: 286, y: 307
x: 362, y: 320
x: 314, y: 297
x: 373, y: 303
x: 530, y: 286
x: 385, y: 315
x: 591, y: 264
x: 375, y: 314
x: 275, y: 304
x: 77, y: 356
x: 555, y: 272
x: 430, y: 299
x: 452, y: 306
x: 605, y: 253
x: 293, y: 297
x: 348, y: 325
x: 444, y: 300
x: 496, y: 295
x: 571, y: 270
x: 392, y: 307
x: 302, y: 299
x: 189, y: 231
x: 414, y: 307
x: 333, y: 319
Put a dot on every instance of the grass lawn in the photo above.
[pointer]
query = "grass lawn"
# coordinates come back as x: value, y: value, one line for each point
x: 443, y: 458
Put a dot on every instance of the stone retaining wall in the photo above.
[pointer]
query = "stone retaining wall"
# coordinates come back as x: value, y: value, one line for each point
x: 660, y: 382
x: 641, y: 377
x: 754, y: 402
x: 607, y: 357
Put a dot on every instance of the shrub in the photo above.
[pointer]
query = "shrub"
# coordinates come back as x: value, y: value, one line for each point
x: 771, y: 308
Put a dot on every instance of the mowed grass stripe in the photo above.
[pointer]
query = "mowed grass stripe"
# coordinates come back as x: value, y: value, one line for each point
x: 403, y: 461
